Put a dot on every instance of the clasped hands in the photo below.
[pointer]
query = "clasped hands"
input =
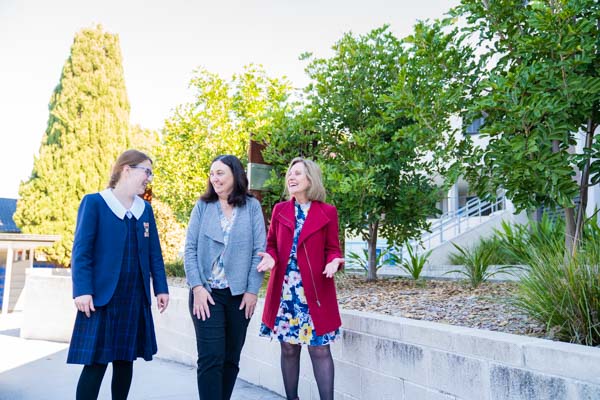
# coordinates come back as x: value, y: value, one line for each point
x: 202, y: 297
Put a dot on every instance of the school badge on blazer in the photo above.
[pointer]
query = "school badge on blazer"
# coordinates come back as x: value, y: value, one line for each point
x: 146, y: 229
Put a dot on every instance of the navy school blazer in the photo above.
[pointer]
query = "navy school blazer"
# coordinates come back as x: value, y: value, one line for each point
x: 98, y: 250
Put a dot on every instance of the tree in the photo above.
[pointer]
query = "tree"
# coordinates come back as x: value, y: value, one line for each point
x: 374, y: 160
x: 431, y: 90
x: 144, y: 139
x: 219, y: 121
x: 88, y: 127
x: 290, y: 133
x: 539, y: 90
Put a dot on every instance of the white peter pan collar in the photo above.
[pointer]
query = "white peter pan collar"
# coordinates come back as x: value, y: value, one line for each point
x: 137, y: 208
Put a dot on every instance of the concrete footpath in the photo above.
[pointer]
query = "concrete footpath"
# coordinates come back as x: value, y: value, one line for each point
x: 36, y: 370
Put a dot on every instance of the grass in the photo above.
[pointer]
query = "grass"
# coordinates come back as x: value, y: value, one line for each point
x: 563, y: 291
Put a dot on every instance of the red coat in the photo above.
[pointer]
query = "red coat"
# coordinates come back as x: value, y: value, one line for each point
x: 318, y: 244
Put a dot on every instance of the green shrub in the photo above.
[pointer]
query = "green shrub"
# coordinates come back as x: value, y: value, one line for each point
x: 476, y: 262
x: 563, y: 291
x: 518, y: 240
x: 175, y: 268
x: 415, y: 263
x: 498, y: 253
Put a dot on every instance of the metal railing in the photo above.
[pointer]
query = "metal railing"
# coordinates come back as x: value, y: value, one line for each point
x: 448, y: 226
x: 452, y: 224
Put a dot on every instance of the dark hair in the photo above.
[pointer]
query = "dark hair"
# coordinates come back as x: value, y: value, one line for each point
x: 238, y: 195
x: 129, y: 157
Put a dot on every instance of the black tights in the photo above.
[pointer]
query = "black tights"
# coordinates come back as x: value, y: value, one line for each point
x: 323, y: 369
x: 91, y: 379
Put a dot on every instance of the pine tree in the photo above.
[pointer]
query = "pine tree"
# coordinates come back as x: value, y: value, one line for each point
x: 88, y: 127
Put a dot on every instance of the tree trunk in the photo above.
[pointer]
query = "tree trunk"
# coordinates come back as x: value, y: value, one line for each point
x: 372, y: 250
x: 569, y: 229
x: 584, y: 185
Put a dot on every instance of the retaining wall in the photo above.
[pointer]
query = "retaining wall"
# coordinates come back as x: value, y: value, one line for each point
x: 378, y: 357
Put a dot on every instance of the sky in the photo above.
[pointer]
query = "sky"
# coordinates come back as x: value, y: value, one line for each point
x: 162, y: 43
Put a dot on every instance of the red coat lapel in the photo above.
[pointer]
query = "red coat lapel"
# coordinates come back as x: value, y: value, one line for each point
x: 315, y: 220
x: 286, y: 215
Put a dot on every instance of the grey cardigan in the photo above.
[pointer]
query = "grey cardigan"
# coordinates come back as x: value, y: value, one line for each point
x: 204, y: 243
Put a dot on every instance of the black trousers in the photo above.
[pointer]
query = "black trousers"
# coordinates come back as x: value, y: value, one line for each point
x: 219, y: 341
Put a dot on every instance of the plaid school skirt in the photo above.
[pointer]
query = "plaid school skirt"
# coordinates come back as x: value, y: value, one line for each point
x: 122, y: 329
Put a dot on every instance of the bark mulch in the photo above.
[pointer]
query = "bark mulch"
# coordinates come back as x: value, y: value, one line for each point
x: 444, y: 301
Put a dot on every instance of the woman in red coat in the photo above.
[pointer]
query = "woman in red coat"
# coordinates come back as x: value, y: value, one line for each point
x: 303, y: 253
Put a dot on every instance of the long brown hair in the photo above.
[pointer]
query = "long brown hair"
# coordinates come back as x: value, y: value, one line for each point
x: 129, y: 157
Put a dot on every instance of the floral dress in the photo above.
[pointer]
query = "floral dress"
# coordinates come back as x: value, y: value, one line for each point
x: 293, y: 323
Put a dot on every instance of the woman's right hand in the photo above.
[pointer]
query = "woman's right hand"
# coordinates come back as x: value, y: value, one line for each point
x: 85, y: 304
x: 267, y: 263
x: 201, y: 299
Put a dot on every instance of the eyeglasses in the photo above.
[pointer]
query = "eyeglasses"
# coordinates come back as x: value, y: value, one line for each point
x: 148, y: 171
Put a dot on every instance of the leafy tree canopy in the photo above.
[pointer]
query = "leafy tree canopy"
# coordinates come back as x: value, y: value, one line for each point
x: 88, y: 128
x: 539, y: 91
x: 219, y: 121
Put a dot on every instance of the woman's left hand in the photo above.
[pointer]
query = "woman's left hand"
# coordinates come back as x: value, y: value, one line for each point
x: 162, y: 300
x: 333, y: 267
x: 249, y: 303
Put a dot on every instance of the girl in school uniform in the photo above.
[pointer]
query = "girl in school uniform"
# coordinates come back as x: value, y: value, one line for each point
x: 116, y: 254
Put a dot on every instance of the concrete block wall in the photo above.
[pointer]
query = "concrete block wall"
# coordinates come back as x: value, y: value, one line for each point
x: 48, y: 311
x: 17, y: 285
x: 377, y: 357
x: 382, y: 357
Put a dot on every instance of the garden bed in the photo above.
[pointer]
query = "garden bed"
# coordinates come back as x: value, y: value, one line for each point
x: 444, y: 301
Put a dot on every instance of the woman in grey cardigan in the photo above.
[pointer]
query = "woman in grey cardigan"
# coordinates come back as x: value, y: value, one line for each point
x: 225, y: 234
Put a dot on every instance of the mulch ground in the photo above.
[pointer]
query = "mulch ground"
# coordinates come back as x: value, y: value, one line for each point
x: 448, y: 302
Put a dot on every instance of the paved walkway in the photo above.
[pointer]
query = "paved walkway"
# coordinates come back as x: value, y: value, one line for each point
x: 36, y: 370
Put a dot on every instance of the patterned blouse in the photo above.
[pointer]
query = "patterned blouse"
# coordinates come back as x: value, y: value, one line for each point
x: 218, y: 280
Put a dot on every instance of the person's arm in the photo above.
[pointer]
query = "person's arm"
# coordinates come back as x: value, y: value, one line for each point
x: 82, y: 256
x: 157, y: 266
x: 269, y: 256
x: 193, y: 270
x: 272, y: 235
x: 255, y: 277
x: 333, y: 252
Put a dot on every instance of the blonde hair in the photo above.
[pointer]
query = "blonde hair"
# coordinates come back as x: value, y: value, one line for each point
x: 316, y: 190
x: 129, y: 157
